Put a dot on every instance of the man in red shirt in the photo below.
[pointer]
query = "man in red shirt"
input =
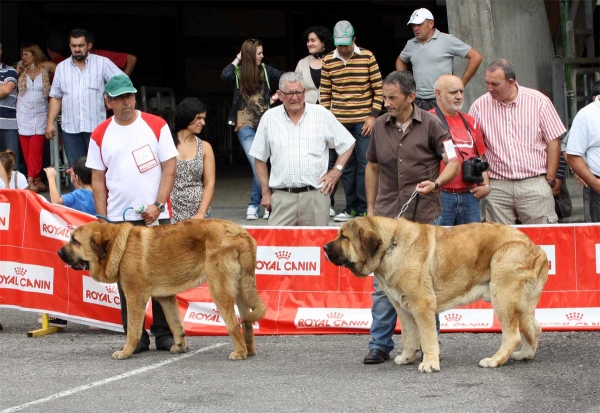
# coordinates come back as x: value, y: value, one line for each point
x: 460, y: 197
x: 124, y: 61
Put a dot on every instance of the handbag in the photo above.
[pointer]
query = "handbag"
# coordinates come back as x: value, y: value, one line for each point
x: 562, y: 202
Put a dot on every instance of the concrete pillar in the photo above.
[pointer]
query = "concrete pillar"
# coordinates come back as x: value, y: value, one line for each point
x: 516, y: 30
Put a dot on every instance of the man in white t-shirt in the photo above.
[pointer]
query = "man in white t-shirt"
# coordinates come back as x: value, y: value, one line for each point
x: 133, y: 160
x: 583, y: 149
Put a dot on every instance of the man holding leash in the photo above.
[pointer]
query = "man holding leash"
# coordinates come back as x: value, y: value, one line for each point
x: 133, y: 158
x: 404, y: 157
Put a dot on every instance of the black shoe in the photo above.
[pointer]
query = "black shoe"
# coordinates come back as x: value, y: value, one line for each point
x: 141, y: 346
x: 165, y: 343
x: 376, y: 356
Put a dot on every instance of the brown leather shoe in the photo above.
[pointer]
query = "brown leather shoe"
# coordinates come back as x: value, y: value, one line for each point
x: 376, y: 356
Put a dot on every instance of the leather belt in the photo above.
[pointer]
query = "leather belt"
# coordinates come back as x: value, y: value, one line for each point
x: 455, y: 190
x: 297, y: 190
x: 424, y: 100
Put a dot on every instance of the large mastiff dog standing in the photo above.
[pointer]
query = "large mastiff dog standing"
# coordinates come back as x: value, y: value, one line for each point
x: 425, y: 269
x: 162, y: 261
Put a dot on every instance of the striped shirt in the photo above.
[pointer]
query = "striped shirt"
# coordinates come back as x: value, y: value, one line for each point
x: 82, y: 92
x: 8, y: 104
x: 517, y: 134
x: 299, y: 153
x: 352, y: 89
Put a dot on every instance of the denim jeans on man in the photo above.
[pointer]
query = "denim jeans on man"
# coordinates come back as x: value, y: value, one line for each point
x: 353, y: 177
x: 246, y: 137
x: 9, y: 139
x: 458, y: 209
x: 76, y: 145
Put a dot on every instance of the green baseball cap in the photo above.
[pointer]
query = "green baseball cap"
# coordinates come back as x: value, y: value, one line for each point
x: 343, y: 33
x: 119, y: 85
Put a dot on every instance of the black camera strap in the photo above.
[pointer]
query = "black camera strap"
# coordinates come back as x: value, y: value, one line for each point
x: 442, y: 118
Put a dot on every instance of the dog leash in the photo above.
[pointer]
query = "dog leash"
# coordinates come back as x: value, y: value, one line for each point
x: 405, y: 206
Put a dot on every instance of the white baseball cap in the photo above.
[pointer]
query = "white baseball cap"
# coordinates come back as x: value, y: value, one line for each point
x: 419, y: 16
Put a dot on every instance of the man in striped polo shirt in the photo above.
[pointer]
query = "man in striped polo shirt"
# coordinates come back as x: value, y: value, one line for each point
x: 520, y: 129
x: 351, y: 89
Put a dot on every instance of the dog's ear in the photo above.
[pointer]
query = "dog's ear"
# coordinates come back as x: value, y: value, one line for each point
x: 370, y: 241
x: 98, y: 244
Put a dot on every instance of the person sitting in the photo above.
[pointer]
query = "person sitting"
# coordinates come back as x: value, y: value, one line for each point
x: 82, y: 198
x: 10, y: 179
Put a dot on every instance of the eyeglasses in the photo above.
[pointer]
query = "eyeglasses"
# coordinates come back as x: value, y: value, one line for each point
x: 291, y: 93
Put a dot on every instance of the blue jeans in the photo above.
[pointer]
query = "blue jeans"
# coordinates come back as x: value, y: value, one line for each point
x: 9, y: 139
x: 353, y: 177
x: 458, y: 209
x: 246, y: 137
x: 76, y: 145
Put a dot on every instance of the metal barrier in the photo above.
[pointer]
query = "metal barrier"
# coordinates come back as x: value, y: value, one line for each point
x: 58, y: 158
x: 159, y: 101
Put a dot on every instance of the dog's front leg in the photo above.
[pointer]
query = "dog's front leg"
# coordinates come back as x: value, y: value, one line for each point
x: 136, y: 308
x: 410, y: 337
x: 425, y: 319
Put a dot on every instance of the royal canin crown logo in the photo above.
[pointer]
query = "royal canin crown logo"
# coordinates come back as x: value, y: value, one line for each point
x: 335, y: 315
x: 283, y: 255
x: 20, y: 271
x: 112, y: 289
x: 453, y: 317
x: 574, y: 316
x: 71, y: 227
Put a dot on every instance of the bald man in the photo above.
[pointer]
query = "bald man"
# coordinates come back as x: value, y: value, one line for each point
x: 460, y: 198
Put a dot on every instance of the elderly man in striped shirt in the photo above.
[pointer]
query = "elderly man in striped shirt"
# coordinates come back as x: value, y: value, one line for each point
x: 351, y: 89
x: 78, y: 88
x: 521, y: 131
x: 296, y: 136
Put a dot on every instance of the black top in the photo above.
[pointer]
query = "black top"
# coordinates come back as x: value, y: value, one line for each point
x: 316, y: 76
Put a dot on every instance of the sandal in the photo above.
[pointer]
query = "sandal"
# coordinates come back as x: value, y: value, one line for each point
x: 39, y: 185
x: 32, y: 186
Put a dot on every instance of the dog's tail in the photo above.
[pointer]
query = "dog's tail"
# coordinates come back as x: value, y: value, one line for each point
x: 248, y: 292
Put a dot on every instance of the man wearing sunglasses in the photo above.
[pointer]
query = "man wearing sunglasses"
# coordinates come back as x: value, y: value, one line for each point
x: 296, y: 137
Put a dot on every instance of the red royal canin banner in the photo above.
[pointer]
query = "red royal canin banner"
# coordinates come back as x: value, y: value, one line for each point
x: 303, y: 292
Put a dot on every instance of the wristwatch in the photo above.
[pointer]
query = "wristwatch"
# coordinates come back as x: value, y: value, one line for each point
x: 339, y: 168
x: 551, y: 182
x: 161, y: 207
x: 437, y: 186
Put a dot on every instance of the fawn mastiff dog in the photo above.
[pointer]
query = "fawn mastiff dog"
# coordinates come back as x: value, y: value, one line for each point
x: 162, y: 261
x: 426, y: 269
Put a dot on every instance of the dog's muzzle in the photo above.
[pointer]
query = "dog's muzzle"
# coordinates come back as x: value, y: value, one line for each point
x: 80, y: 265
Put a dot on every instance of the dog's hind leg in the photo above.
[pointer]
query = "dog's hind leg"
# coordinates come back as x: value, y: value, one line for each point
x: 136, y: 309
x: 530, y: 327
x: 247, y: 329
x: 171, y: 310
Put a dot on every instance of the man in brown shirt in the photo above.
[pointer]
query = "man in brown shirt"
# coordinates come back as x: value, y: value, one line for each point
x: 404, y: 155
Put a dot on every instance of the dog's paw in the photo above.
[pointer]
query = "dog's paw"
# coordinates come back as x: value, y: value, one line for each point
x: 178, y: 348
x: 405, y: 359
x: 237, y: 356
x: 488, y: 362
x: 120, y: 355
x: 251, y: 353
x: 429, y: 367
x: 521, y: 355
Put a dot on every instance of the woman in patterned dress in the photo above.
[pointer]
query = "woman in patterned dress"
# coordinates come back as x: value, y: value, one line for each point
x: 194, y: 185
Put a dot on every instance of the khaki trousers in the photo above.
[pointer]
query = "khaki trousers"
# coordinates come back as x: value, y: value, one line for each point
x: 303, y: 209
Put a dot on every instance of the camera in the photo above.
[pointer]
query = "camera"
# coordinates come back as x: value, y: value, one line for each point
x: 473, y: 168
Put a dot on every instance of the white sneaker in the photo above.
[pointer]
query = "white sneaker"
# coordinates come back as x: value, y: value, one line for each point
x: 266, y: 215
x: 344, y: 216
x: 252, y: 212
x: 331, y: 212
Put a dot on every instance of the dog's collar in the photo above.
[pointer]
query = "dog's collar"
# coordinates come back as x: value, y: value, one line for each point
x: 393, y: 245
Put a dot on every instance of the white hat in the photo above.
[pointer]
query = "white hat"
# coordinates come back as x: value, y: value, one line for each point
x: 419, y: 16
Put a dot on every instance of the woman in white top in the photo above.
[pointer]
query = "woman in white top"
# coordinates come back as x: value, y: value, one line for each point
x: 32, y: 109
x: 9, y: 178
x: 319, y: 43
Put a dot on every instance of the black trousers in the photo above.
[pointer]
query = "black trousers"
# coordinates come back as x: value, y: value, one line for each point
x: 425, y: 104
x: 160, y: 327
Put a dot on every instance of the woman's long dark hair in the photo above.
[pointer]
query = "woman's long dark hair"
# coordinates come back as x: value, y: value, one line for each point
x: 185, y: 113
x: 251, y: 75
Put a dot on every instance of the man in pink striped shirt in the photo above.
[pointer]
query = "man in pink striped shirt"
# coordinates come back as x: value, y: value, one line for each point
x: 520, y: 129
